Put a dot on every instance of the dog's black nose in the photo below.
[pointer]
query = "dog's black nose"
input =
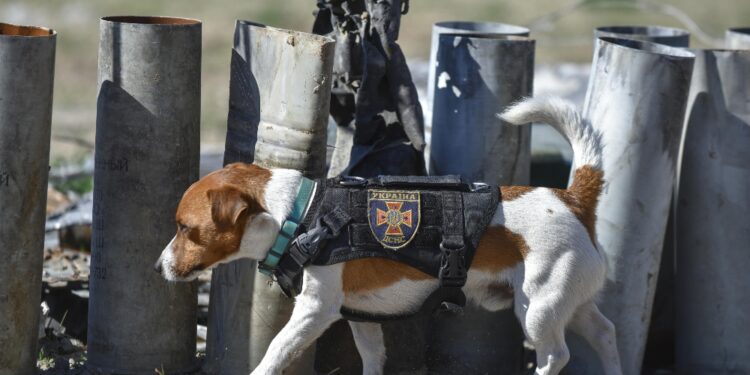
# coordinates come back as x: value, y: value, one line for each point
x: 157, y: 266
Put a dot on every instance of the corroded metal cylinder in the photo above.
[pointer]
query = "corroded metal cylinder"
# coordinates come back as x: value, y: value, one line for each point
x: 463, y: 27
x: 278, y: 111
x: 27, y: 71
x: 713, y: 233
x: 456, y: 27
x: 478, y: 75
x: 661, y: 330
x: 636, y: 99
x: 147, y: 155
x: 738, y: 38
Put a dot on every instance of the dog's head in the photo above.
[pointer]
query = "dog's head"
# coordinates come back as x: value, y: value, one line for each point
x: 220, y: 218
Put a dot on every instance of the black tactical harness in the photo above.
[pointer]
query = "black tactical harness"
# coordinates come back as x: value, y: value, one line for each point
x: 451, y: 218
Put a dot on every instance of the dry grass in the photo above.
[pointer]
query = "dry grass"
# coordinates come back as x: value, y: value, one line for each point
x: 77, y: 24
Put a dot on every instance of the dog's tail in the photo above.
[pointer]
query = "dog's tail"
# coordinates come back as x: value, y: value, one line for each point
x: 563, y: 116
x: 586, y: 142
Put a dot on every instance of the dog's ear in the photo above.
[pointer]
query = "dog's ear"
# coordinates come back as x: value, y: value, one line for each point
x: 228, y: 205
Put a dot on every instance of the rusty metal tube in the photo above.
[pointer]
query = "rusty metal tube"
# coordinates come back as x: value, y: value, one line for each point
x: 27, y: 70
x: 478, y: 75
x: 280, y: 91
x: 738, y: 38
x: 147, y: 155
x: 636, y: 99
x: 713, y: 304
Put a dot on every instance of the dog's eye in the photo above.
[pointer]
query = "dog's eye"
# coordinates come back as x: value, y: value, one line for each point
x: 182, y: 227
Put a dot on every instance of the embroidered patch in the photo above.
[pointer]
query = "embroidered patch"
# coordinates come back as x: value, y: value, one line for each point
x: 393, y: 216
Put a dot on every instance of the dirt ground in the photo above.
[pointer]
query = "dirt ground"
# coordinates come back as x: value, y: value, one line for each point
x: 60, y: 354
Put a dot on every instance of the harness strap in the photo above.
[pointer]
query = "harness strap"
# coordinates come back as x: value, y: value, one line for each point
x: 452, y: 246
x: 449, y: 296
x: 452, y: 182
x: 446, y: 300
x: 304, y: 249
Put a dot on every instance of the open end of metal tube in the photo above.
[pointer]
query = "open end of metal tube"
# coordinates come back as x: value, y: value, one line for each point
x: 723, y: 50
x: 17, y: 30
x: 484, y: 27
x: 648, y: 47
x: 152, y: 20
x: 653, y: 31
x: 514, y: 38
x: 740, y: 30
x: 314, y: 37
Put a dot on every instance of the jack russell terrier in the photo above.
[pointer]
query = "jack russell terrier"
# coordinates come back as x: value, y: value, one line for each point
x: 539, y: 242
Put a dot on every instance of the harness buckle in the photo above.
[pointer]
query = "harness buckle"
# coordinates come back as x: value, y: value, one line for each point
x: 479, y: 186
x: 452, y: 263
x: 305, y: 247
x: 449, y: 308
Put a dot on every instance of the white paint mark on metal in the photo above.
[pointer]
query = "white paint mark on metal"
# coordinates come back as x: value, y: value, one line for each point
x: 443, y: 80
x: 456, y: 91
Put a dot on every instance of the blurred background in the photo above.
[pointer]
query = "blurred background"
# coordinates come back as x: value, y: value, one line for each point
x: 563, y: 30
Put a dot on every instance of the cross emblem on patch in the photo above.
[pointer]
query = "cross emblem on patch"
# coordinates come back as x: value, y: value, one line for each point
x: 393, y: 216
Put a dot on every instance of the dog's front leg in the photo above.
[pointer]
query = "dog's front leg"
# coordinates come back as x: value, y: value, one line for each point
x: 307, y: 323
x: 368, y: 337
x: 314, y: 311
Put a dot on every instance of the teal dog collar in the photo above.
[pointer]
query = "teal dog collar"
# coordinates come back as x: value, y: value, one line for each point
x: 289, y: 227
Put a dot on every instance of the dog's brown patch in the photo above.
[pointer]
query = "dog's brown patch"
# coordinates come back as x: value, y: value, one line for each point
x: 368, y: 274
x: 213, y: 213
x: 509, y: 193
x: 582, y: 196
x: 499, y: 249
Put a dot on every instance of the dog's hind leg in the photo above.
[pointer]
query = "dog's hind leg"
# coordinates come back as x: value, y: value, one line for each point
x: 547, y: 334
x: 543, y: 316
x: 599, y: 332
x: 368, y: 337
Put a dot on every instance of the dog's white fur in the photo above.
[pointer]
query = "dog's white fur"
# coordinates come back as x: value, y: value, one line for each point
x: 554, y: 287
